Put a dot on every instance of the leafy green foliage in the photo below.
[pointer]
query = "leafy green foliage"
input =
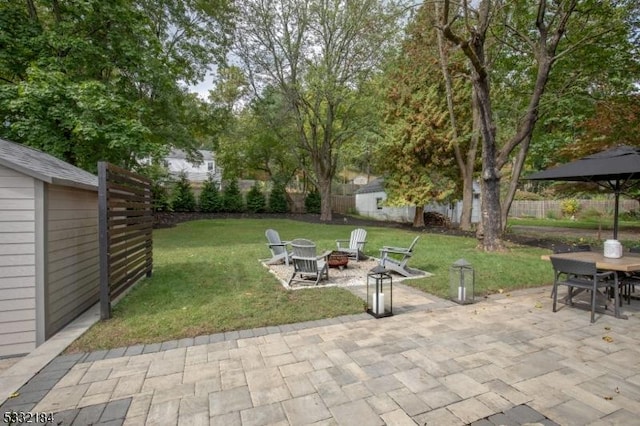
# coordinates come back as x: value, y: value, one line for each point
x: 232, y: 200
x: 570, y: 207
x: 312, y: 202
x: 103, y: 80
x: 591, y: 100
x: 160, y: 195
x: 210, y: 199
x: 256, y: 201
x: 160, y: 183
x: 183, y: 198
x: 528, y: 196
x: 260, y: 140
x: 417, y: 152
x: 316, y: 54
x: 278, y: 199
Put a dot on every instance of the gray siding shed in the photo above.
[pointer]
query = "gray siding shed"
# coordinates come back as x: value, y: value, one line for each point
x: 49, y: 264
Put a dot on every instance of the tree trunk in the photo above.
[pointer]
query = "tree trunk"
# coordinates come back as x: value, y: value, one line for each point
x: 418, y: 217
x: 467, y: 206
x: 325, y: 199
x: 513, y: 184
x: 491, y: 211
x: 466, y: 167
x: 492, y: 161
x: 33, y: 12
x: 469, y: 168
x: 491, y: 217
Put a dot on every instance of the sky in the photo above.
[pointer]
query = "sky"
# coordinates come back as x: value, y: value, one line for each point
x: 202, y: 89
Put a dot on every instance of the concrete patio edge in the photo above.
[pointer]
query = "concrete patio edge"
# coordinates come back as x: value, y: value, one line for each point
x: 21, y: 372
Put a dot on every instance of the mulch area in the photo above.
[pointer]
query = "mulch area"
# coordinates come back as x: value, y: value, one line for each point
x: 169, y: 219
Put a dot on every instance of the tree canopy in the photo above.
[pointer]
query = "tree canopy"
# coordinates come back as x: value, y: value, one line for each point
x: 534, y: 38
x: 428, y: 117
x: 90, y: 80
x: 316, y: 54
x: 93, y: 80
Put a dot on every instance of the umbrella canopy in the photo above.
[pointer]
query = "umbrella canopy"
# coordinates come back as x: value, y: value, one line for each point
x: 617, y: 169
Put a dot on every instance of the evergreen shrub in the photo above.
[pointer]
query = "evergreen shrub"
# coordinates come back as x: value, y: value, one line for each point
x: 232, y: 200
x: 312, y: 202
x: 210, y: 198
x: 183, y: 199
x: 278, y: 199
x: 256, y: 201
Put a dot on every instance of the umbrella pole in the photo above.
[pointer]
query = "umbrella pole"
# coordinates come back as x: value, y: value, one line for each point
x: 615, y: 210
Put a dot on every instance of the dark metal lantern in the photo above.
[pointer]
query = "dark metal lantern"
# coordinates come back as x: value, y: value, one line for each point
x: 379, y: 292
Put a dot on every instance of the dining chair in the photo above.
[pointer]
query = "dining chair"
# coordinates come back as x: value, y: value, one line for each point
x: 630, y: 279
x: 569, y: 248
x: 581, y: 275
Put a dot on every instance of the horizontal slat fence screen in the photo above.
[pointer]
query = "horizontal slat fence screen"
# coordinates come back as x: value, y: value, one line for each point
x: 126, y: 225
x: 543, y: 208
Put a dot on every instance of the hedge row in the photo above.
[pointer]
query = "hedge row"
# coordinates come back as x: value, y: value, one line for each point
x: 229, y: 200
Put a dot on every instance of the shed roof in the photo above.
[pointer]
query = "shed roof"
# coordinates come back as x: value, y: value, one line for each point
x: 44, y: 167
x: 375, y: 185
x: 182, y: 155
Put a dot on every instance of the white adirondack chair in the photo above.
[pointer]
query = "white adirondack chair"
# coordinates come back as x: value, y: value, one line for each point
x: 396, y: 258
x: 279, y: 252
x: 306, y: 264
x: 356, y: 243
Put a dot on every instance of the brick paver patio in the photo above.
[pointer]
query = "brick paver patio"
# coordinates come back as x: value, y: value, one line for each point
x: 505, y: 360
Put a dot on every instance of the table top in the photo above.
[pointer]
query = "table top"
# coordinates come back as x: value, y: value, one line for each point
x: 627, y: 263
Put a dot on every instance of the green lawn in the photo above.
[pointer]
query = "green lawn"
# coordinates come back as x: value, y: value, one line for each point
x: 207, y: 279
x: 582, y: 223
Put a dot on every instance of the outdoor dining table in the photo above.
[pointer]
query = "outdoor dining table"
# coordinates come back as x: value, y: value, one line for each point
x: 629, y: 262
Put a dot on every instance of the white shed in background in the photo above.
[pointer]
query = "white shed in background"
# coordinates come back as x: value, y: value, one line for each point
x: 49, y: 264
x: 370, y: 199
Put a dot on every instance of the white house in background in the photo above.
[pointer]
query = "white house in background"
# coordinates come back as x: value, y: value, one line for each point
x: 177, y: 162
x: 370, y: 199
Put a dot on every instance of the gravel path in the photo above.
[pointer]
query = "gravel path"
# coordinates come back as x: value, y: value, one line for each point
x: 353, y: 275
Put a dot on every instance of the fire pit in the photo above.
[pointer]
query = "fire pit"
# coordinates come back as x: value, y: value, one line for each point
x: 338, y: 259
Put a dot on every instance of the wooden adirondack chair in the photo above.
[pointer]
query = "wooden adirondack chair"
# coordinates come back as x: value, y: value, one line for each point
x: 306, y: 264
x: 278, y: 248
x: 396, y: 258
x: 356, y: 244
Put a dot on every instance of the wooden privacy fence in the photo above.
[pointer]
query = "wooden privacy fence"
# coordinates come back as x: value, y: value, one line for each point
x: 125, y: 226
x: 339, y: 203
x: 543, y: 208
x: 343, y: 203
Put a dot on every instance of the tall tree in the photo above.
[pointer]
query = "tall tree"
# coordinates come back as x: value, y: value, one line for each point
x: 415, y: 152
x: 591, y: 97
x: 260, y: 140
x: 93, y: 80
x: 427, y: 116
x: 316, y: 53
x: 538, y: 35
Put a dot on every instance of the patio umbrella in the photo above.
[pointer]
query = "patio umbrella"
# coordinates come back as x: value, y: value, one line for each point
x: 617, y: 169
